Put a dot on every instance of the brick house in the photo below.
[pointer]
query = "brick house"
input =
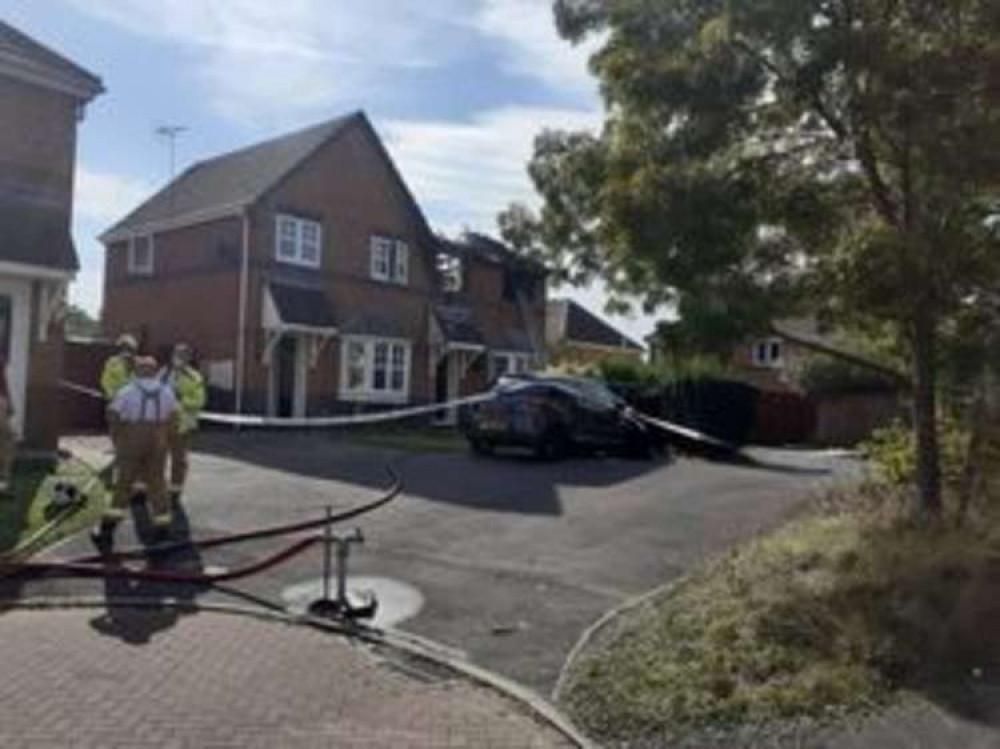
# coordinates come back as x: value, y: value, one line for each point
x: 576, y: 337
x: 43, y: 96
x: 308, y: 280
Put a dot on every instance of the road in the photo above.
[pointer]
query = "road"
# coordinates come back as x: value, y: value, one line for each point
x: 513, y: 558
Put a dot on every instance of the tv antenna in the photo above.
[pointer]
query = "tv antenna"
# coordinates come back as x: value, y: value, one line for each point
x: 171, y: 133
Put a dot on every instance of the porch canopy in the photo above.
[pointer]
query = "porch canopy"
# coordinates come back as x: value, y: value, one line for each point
x: 457, y: 329
x: 297, y: 310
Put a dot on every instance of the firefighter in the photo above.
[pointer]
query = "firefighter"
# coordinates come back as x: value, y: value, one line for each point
x: 118, y: 369
x: 189, y: 387
x: 143, y: 415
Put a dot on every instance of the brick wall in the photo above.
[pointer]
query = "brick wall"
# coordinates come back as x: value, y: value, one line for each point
x: 37, y: 140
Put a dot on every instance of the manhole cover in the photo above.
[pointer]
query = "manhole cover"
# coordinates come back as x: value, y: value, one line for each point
x: 397, y: 601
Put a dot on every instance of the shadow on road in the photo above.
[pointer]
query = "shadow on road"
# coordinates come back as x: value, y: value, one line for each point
x: 506, y: 483
x: 137, y: 610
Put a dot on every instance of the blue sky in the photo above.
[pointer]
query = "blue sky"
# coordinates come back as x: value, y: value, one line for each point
x: 457, y: 88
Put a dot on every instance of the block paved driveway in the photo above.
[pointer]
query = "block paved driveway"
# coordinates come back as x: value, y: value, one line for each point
x: 513, y: 558
x: 217, y: 680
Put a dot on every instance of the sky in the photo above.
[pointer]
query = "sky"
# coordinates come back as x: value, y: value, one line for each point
x: 457, y: 89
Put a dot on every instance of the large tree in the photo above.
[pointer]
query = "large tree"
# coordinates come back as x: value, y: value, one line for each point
x: 756, y: 153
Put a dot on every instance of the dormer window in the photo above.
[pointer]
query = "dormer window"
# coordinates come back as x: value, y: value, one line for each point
x: 390, y: 260
x: 140, y: 255
x: 299, y: 241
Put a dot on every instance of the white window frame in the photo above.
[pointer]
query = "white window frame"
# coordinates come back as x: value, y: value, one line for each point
x: 516, y: 363
x: 762, y: 351
x: 390, y: 260
x: 145, y: 269
x: 297, y: 256
x: 367, y: 393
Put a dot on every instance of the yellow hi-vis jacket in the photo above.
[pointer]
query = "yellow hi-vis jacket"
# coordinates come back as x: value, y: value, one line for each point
x: 116, y: 375
x: 189, y: 387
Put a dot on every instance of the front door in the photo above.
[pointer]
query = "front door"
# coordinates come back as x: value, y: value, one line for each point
x: 14, y: 342
x: 285, y: 373
x: 446, y: 387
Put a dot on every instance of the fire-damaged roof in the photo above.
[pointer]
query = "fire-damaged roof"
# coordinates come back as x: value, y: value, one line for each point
x: 573, y: 323
x: 482, y: 247
x: 302, y: 306
x: 458, y: 324
x: 35, y: 233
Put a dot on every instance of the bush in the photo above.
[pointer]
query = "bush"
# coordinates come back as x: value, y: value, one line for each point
x: 893, y: 451
x: 824, y: 375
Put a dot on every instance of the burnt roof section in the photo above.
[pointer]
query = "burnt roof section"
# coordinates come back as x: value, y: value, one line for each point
x: 233, y: 179
x: 35, y: 233
x: 307, y: 307
x: 583, y: 326
x: 458, y: 324
x: 482, y: 247
x: 29, y: 60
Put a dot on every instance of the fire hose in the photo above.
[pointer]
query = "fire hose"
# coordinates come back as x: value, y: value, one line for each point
x: 110, y: 566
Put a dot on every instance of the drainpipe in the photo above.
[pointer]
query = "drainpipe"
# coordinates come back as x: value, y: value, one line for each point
x: 241, y: 331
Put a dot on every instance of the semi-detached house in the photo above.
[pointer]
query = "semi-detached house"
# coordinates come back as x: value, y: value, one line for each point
x: 43, y: 99
x: 307, y: 278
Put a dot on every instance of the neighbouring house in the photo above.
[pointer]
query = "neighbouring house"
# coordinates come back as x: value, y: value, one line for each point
x: 43, y: 96
x: 576, y: 337
x: 307, y: 278
x: 863, y: 396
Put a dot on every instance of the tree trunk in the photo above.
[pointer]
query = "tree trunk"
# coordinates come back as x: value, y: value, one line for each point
x: 925, y: 417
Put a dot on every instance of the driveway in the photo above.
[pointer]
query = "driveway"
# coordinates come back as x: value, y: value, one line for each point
x: 512, y: 558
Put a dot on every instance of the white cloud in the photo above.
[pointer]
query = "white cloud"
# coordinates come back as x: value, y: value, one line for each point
x: 291, y: 58
x: 476, y: 168
x: 103, y: 198
x: 464, y: 174
x: 534, y: 47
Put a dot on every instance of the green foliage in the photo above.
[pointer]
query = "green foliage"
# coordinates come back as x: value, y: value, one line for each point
x: 893, y: 451
x: 831, y: 615
x: 80, y: 323
x: 825, y: 375
x: 627, y: 372
x: 757, y: 156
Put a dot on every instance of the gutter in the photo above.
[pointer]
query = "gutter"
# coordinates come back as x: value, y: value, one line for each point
x: 241, y: 314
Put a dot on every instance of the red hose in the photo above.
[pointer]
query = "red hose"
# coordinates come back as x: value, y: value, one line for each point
x: 254, y: 535
x: 78, y: 569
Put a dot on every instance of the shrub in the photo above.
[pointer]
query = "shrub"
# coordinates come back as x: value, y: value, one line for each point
x: 893, y: 450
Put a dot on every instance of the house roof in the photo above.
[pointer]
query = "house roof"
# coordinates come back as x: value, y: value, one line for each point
x: 482, y: 247
x: 37, y: 234
x: 24, y: 58
x: 807, y: 333
x: 577, y: 324
x: 458, y: 324
x: 302, y: 306
x: 231, y: 180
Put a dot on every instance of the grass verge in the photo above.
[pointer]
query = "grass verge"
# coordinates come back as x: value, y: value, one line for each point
x: 833, y: 614
x: 27, y: 508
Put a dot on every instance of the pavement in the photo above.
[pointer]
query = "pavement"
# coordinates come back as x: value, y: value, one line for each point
x: 501, y: 562
x: 100, y: 679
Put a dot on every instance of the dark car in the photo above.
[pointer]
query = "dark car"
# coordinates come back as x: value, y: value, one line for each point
x: 555, y: 416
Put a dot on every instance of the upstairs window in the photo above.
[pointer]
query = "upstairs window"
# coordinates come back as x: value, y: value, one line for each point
x: 140, y: 255
x: 390, y: 260
x: 450, y: 272
x: 768, y: 353
x: 299, y: 241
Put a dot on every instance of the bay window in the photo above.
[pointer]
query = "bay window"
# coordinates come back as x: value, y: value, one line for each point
x: 375, y: 369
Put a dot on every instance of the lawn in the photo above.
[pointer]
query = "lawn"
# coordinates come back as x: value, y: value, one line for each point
x: 27, y: 508
x: 840, y: 612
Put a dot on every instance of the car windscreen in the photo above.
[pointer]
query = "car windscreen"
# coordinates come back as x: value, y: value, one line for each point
x: 592, y: 393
